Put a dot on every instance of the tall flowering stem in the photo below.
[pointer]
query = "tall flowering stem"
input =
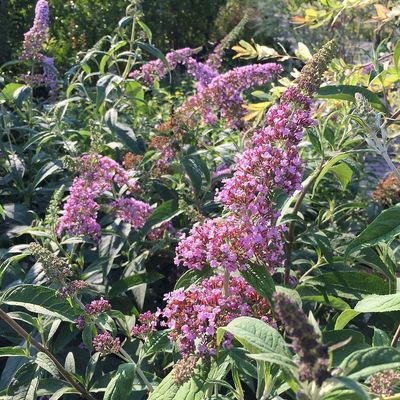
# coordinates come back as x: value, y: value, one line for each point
x: 308, y: 82
x: 97, y: 175
x: 36, y: 37
x: 271, y: 163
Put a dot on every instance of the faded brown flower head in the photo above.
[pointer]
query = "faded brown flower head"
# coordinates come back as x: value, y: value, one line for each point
x: 55, y: 268
x: 131, y: 160
x: 387, y: 191
x: 313, y: 355
x: 183, y: 369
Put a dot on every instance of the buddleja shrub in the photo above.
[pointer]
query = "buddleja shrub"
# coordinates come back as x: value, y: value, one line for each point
x: 170, y: 244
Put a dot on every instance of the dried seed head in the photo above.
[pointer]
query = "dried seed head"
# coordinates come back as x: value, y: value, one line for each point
x: 55, y: 268
x: 313, y: 355
x: 312, y: 73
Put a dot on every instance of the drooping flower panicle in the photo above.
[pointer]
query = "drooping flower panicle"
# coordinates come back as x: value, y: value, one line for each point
x: 55, y: 268
x: 132, y: 211
x: 97, y: 306
x: 223, y: 96
x: 230, y: 243
x: 157, y: 69
x: 98, y: 174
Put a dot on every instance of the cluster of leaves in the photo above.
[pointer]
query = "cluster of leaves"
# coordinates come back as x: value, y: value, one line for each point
x: 342, y: 249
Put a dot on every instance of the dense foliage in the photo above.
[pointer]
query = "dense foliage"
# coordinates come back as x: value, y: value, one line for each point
x: 214, y: 223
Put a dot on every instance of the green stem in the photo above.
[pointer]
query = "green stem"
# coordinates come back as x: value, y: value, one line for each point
x: 238, y: 385
x: 396, y: 337
x: 290, y: 235
x: 128, y: 64
x: 138, y: 369
x: 22, y: 332
x: 260, y: 379
x: 226, y: 283
x: 389, y: 162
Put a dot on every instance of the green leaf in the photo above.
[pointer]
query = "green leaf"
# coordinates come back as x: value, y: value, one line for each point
x: 12, y: 352
x: 131, y: 281
x: 344, y: 343
x: 347, y: 92
x: 121, y: 385
x: 157, y: 342
x: 344, y: 318
x: 382, y: 259
x: 293, y: 294
x: 380, y: 338
x: 193, y: 277
x: 45, y: 171
x: 70, y: 363
x: 111, y: 245
x: 274, y: 358
x: 123, y: 131
x: 21, y: 94
x: 163, y: 213
x: 103, y: 88
x: 396, y: 55
x: 46, y: 363
x: 194, y: 389
x: 316, y: 143
x: 328, y: 167
x: 194, y: 173
x: 24, y: 384
x: 10, y: 89
x: 331, y: 301
x: 255, y: 335
x: 88, y: 333
x: 333, y: 337
x: 352, y: 282
x: 376, y: 303
x: 385, y: 227
x: 260, y: 279
x: 364, y: 363
x: 344, y: 173
x: 238, y: 358
x: 350, y: 384
x: 166, y: 390
x: 154, y: 52
x: 40, y: 300
x: 134, y: 89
